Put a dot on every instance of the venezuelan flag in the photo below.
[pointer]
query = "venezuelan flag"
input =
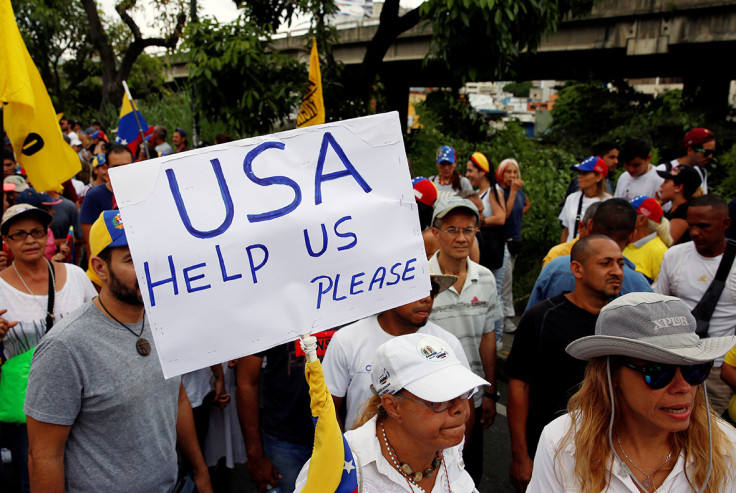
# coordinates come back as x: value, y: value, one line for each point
x: 128, y: 132
x: 29, y: 116
x: 332, y: 467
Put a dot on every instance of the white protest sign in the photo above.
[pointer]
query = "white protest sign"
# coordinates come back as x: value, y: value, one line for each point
x: 246, y: 245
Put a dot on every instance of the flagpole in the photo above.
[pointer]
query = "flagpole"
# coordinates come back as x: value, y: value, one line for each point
x: 137, y: 121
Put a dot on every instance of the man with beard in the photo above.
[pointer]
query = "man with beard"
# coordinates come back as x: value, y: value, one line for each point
x: 347, y: 362
x: 101, y: 416
x: 542, y: 376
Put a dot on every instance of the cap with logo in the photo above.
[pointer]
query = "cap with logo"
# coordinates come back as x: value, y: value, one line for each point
x: 652, y: 327
x: 684, y: 175
x: 647, y: 207
x: 106, y: 231
x: 36, y: 199
x: 422, y: 364
x: 592, y: 163
x: 446, y: 154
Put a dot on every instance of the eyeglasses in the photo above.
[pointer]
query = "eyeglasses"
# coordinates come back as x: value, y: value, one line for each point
x: 706, y: 152
x: 468, y: 232
x: 659, y: 375
x: 22, y: 235
x: 440, y: 407
x: 435, y: 290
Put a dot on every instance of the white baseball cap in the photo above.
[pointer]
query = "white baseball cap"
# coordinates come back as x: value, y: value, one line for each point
x: 424, y: 365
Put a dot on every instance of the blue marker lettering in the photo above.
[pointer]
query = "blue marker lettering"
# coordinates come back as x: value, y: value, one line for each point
x: 328, y: 139
x: 268, y: 181
x: 254, y: 268
x: 152, y: 285
x: 345, y: 235
x: 188, y: 280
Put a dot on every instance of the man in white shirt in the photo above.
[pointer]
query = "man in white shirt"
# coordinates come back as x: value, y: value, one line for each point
x: 688, y: 269
x: 347, y: 361
x: 640, y: 177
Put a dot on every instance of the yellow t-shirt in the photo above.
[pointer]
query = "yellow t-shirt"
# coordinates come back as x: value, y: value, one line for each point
x: 730, y: 359
x: 647, y: 257
x: 559, y: 251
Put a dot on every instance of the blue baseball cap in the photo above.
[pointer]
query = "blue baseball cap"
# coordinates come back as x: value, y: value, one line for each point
x: 446, y: 153
x: 593, y: 163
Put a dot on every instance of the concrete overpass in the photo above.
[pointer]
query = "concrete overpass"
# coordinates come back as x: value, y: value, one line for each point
x: 692, y: 39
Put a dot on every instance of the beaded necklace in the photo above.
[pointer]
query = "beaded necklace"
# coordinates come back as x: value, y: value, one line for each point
x: 412, y: 478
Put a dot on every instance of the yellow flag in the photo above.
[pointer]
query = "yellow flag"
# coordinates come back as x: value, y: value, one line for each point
x: 28, y: 114
x: 312, y: 111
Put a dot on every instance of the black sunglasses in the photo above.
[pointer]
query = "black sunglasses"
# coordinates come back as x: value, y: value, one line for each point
x: 659, y: 375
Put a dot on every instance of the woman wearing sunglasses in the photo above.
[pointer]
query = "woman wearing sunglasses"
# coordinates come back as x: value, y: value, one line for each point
x: 409, y: 437
x: 641, y: 420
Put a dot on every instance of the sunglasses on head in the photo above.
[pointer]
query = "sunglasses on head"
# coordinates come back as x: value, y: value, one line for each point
x: 659, y: 375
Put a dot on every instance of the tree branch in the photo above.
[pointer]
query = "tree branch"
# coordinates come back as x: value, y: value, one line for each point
x: 122, y: 10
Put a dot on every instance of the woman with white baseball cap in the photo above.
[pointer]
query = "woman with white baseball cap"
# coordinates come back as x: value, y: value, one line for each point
x: 409, y: 438
x: 641, y: 419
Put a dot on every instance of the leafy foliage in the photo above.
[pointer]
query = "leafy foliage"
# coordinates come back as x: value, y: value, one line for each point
x: 237, y: 80
x: 544, y: 170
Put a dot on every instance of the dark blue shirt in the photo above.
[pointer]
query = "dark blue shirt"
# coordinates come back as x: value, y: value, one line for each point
x: 98, y: 199
x: 513, y: 222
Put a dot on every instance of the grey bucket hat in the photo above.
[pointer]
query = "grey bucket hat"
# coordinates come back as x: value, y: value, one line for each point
x: 652, y: 327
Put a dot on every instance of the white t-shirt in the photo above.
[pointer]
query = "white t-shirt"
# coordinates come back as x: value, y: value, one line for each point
x: 555, y: 472
x: 445, y: 192
x: 376, y: 475
x: 569, y: 213
x: 197, y: 384
x: 30, y: 311
x: 647, y: 184
x: 347, y: 361
x: 687, y: 274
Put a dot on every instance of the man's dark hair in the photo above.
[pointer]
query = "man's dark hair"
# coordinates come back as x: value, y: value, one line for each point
x: 161, y: 131
x: 106, y: 254
x: 590, y: 212
x: 8, y: 154
x: 634, y: 148
x: 118, y: 149
x: 711, y: 200
x: 581, y: 249
x: 602, y: 148
x: 615, y: 218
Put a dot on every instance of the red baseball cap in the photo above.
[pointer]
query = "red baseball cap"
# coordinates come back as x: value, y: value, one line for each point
x: 593, y: 163
x: 697, y: 136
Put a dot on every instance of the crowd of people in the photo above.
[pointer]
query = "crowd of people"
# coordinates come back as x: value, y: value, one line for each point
x: 622, y: 370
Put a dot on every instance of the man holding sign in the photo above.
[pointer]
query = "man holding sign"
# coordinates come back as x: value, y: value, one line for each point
x: 101, y: 416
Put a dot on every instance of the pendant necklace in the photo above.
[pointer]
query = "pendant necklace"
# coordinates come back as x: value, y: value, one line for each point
x: 647, y: 483
x: 141, y: 345
x: 53, y: 281
x: 413, y: 478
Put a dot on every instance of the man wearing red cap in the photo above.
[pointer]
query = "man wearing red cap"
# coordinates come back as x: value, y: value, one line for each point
x: 698, y: 147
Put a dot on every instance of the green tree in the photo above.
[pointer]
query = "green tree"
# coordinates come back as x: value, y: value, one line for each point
x: 237, y: 80
x: 518, y: 89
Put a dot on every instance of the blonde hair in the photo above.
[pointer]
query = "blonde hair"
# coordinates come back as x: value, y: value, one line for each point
x: 590, y: 410
x: 662, y: 228
x: 370, y: 408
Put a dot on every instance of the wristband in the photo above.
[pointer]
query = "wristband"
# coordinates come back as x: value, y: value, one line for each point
x: 491, y: 396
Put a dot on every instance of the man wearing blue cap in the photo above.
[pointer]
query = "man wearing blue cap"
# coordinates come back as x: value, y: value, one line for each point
x: 179, y: 139
x: 101, y: 415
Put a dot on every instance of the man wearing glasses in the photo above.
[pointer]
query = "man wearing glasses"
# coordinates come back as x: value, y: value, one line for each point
x: 699, y: 146
x: 469, y: 310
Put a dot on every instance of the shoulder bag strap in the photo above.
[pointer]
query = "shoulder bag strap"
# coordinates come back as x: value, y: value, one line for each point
x: 707, y: 304
x: 577, y: 216
x: 51, y: 298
